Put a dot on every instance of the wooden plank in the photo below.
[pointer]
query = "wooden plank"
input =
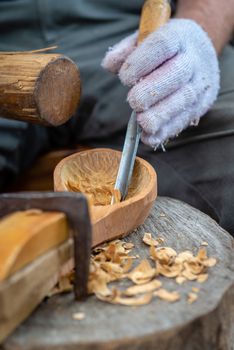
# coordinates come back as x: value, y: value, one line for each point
x: 27, y: 288
x: 25, y: 235
x: 206, y: 324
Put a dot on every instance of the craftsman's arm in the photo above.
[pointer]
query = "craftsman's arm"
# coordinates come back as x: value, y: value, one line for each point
x: 215, y: 16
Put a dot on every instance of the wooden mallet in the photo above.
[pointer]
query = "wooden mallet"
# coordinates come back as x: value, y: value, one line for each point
x: 42, y: 88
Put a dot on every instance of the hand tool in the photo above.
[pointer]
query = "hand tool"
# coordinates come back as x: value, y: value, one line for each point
x: 155, y: 13
x: 42, y: 88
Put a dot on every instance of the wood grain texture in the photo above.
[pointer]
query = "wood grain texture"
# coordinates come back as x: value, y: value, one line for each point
x: 99, y: 167
x: 154, y: 14
x: 38, y: 88
x: 208, y: 324
x: 23, y: 291
x: 75, y: 206
x: 26, y: 235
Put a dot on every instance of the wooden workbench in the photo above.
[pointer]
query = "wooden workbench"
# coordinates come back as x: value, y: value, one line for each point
x: 206, y: 324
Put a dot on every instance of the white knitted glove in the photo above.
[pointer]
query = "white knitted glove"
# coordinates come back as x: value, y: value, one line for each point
x: 174, y: 77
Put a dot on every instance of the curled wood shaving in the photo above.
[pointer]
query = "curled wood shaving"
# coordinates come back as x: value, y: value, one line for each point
x: 180, y: 279
x: 98, y: 283
x: 143, y: 288
x: 183, y: 266
x: 128, y: 246
x: 164, y: 294
x: 202, y: 278
x: 149, y: 240
x: 202, y: 254
x: 64, y: 285
x: 117, y: 298
x: 169, y: 271
x: 210, y: 262
x: 164, y: 255
x: 184, y: 256
x: 143, y: 273
x: 112, y: 262
x: 189, y: 275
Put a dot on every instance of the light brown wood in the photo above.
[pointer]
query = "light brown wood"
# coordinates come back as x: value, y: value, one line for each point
x: 155, y: 13
x: 207, y: 324
x: 22, y: 292
x: 98, y: 169
x: 39, y: 88
x: 26, y: 235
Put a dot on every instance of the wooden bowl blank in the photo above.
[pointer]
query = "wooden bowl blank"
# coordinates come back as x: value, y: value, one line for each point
x: 93, y: 173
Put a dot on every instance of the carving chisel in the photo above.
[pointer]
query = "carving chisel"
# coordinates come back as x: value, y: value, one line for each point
x: 154, y: 14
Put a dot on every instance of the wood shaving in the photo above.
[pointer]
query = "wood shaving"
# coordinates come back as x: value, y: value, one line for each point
x: 149, y: 240
x: 128, y: 246
x: 164, y: 294
x: 143, y: 273
x: 192, y: 297
x: 135, y: 301
x: 169, y: 271
x: 183, y: 266
x: 143, y: 288
x: 180, y: 279
x: 160, y: 240
x: 205, y: 244
x: 210, y: 262
x: 117, y: 298
x: 64, y: 285
x: 78, y: 316
x: 112, y: 262
x: 202, y: 278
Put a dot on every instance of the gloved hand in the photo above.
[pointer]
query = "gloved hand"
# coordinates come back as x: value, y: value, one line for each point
x: 174, y: 77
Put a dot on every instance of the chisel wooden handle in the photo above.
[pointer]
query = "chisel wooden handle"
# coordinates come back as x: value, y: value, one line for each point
x: 154, y: 14
x: 38, y: 87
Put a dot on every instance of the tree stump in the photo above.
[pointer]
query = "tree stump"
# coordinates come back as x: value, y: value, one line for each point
x: 207, y: 324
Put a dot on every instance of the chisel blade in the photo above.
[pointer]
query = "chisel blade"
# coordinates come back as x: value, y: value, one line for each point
x: 128, y: 157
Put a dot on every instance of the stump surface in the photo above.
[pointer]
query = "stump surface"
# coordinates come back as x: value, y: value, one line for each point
x: 206, y: 324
